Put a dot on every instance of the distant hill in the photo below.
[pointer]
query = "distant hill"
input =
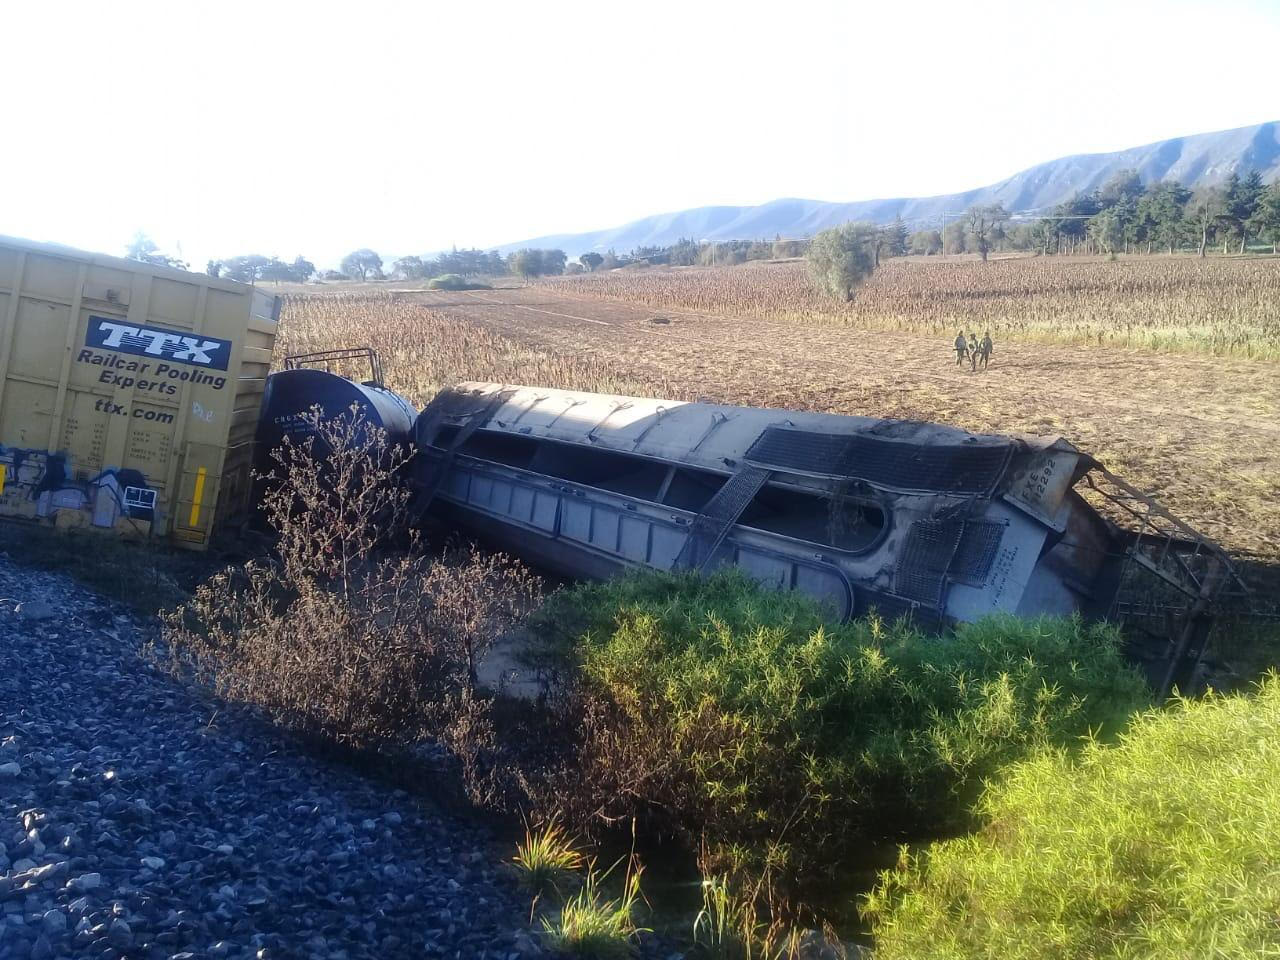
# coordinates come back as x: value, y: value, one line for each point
x: 1203, y: 159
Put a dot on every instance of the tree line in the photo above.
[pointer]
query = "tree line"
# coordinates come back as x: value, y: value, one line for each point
x: 366, y: 264
x: 462, y: 263
x: 841, y: 258
x: 363, y: 264
x: 686, y: 252
x: 1123, y: 215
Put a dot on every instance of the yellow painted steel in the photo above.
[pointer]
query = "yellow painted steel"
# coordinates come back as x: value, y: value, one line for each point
x: 197, y: 498
x: 3, y: 472
x: 129, y: 393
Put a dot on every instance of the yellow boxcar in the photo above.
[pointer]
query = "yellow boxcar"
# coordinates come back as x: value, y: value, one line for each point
x: 129, y: 393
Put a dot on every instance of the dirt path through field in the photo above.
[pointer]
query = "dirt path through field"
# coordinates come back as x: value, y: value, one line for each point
x: 1202, y: 433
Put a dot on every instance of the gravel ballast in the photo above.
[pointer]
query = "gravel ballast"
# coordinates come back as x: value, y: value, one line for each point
x: 139, y: 819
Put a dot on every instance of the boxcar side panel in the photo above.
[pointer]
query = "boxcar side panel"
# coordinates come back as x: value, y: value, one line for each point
x: 129, y: 394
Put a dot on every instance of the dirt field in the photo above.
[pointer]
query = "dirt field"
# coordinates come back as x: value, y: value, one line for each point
x: 1218, y: 305
x: 1199, y: 432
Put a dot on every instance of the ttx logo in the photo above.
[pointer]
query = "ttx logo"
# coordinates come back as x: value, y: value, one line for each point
x: 180, y: 348
x: 146, y: 341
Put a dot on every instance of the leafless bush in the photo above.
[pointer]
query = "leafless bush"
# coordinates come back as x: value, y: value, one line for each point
x: 337, y: 633
x: 335, y: 498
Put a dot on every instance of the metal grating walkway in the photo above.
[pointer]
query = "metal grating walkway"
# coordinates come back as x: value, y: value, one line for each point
x: 722, y: 511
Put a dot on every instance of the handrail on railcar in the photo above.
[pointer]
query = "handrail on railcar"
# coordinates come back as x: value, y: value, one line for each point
x: 297, y: 361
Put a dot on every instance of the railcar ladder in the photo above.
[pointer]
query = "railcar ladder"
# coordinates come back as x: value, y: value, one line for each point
x: 711, y: 526
x: 443, y: 460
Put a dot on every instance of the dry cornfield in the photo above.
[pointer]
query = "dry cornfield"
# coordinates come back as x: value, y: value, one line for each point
x: 423, y: 350
x: 1200, y: 432
x: 1181, y: 303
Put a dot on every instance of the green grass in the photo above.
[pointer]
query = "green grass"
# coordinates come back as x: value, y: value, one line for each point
x: 593, y: 926
x: 744, y: 718
x: 718, y: 929
x: 546, y: 858
x: 728, y: 927
x: 1165, y: 845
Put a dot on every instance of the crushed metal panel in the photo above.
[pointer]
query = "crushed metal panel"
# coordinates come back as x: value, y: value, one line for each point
x: 1039, y: 482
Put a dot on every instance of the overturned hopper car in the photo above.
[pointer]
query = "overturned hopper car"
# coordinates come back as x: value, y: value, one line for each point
x: 905, y: 517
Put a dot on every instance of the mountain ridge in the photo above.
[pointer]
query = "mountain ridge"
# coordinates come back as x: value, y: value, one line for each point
x: 1197, y: 160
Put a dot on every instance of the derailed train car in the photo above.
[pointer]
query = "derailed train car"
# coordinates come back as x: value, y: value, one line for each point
x: 900, y: 516
x: 129, y: 393
x: 904, y: 517
x: 309, y: 382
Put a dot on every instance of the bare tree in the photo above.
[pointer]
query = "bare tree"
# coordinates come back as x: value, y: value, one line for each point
x: 984, y: 221
x: 1205, y: 211
x: 363, y: 264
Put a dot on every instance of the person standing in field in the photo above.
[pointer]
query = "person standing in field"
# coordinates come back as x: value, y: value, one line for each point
x: 973, y: 351
x: 986, y: 348
x: 961, y: 347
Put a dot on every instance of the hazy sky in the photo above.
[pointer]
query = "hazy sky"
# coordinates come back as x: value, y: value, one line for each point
x: 311, y: 128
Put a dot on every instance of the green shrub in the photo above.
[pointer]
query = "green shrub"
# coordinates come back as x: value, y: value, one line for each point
x: 738, y: 715
x: 545, y: 858
x: 1166, y: 845
x: 591, y: 925
x: 452, y: 281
